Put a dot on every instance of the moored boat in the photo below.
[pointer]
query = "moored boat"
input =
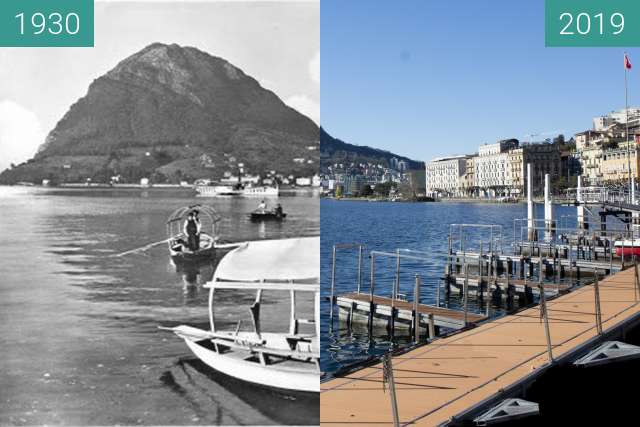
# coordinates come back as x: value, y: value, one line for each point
x: 287, y: 360
x: 627, y: 247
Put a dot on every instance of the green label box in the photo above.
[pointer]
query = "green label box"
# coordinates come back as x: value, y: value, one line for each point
x: 46, y: 23
x: 592, y: 23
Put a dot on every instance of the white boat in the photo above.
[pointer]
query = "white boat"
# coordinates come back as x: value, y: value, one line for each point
x: 286, y: 360
x: 218, y: 190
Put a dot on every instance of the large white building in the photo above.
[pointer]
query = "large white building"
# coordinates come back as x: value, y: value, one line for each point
x: 492, y: 166
x: 444, y: 175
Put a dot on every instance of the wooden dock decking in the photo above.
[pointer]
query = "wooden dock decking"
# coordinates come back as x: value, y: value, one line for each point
x: 446, y: 378
x: 441, y: 316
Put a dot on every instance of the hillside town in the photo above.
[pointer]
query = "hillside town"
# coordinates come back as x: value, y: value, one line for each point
x: 393, y: 179
x: 602, y: 155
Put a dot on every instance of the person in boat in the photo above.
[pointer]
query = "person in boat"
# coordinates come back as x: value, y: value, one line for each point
x: 278, y: 210
x: 262, y: 206
x: 192, y: 231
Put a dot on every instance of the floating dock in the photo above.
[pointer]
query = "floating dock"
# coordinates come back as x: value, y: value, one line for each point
x: 352, y: 304
x: 456, y: 379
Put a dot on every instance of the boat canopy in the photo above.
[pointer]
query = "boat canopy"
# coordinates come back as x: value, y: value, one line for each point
x: 284, y: 261
x: 181, y: 213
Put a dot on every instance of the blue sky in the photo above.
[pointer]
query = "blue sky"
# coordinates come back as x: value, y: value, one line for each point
x: 426, y: 78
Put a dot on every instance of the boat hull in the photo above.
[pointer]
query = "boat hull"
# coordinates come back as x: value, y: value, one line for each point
x: 628, y: 251
x: 267, y: 216
x: 256, y: 373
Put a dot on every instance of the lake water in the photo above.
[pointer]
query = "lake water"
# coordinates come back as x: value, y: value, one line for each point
x: 386, y: 226
x: 79, y: 342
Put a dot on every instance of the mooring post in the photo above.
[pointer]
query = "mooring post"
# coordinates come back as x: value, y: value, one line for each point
x: 416, y: 310
x: 580, y: 207
x: 432, y: 326
x: 596, y: 289
x: 548, y: 206
x: 530, y: 207
x: 333, y: 287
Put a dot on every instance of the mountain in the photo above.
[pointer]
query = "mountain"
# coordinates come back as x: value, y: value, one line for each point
x: 333, y: 150
x: 170, y: 113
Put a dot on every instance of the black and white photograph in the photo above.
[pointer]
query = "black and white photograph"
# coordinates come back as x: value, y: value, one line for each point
x: 160, y: 219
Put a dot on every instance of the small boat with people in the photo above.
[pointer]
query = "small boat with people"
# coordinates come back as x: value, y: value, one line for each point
x: 185, y: 236
x: 264, y: 214
x: 283, y: 360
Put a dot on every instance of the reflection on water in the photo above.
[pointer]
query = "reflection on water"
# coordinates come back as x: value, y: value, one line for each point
x: 194, y: 275
x: 80, y: 343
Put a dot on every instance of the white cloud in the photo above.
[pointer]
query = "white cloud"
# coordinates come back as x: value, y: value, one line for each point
x: 305, y: 105
x: 20, y: 133
x: 314, y: 68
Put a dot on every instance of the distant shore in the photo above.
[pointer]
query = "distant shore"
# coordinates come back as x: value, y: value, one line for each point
x: 448, y: 200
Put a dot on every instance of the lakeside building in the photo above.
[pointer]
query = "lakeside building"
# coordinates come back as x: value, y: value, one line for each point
x: 497, y: 170
x: 544, y: 159
x: 443, y: 176
x: 616, y: 163
x: 601, y: 123
x: 492, y: 168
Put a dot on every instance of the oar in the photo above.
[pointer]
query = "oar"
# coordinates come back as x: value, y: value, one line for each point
x: 141, y: 249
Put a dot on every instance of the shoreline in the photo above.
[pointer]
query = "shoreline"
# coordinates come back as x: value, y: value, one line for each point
x: 460, y: 200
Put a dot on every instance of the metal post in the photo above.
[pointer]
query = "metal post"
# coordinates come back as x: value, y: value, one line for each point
x: 333, y: 287
x: 596, y: 289
x: 416, y: 310
x: 372, y: 280
x: 480, y: 267
x: 387, y: 377
x: 359, y: 268
x: 545, y: 316
x: 396, y: 285
x: 432, y: 326
x: 466, y: 293
x: 637, y: 291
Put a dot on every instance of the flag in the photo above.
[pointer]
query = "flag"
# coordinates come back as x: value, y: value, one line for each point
x: 627, y: 62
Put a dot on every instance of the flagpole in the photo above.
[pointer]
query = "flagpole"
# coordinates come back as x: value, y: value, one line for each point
x: 626, y: 134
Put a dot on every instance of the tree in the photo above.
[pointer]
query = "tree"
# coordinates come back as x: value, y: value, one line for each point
x: 559, y: 140
x: 366, y: 190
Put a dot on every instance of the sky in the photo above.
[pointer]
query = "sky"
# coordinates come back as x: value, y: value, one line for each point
x: 427, y: 78
x: 277, y: 43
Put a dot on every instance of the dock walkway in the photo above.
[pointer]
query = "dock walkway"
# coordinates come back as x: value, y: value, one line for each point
x: 445, y: 317
x: 449, y: 377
